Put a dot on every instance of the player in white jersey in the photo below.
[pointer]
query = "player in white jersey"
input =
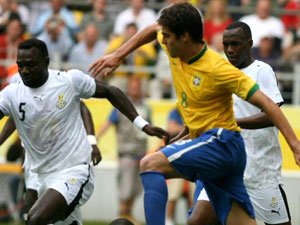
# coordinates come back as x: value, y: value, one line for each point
x: 262, y: 175
x: 32, y: 184
x: 46, y: 111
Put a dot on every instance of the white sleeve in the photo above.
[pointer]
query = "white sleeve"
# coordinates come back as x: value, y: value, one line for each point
x: 84, y: 85
x: 5, y: 102
x: 267, y: 82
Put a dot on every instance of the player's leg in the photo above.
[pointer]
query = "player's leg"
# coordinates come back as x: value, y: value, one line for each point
x: 238, y: 216
x: 270, y: 204
x: 203, y: 213
x: 155, y: 168
x: 49, y: 208
x: 31, y: 197
x: 61, y: 194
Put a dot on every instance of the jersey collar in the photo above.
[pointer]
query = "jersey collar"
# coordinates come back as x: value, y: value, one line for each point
x: 201, y: 53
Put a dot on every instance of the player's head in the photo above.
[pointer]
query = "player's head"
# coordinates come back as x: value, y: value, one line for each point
x: 33, y: 62
x: 179, y: 21
x: 237, y: 42
x: 121, y: 221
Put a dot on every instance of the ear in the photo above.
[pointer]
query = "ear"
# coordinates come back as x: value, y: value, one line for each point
x: 185, y: 37
x: 250, y: 43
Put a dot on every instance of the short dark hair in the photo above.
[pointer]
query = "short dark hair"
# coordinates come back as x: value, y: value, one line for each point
x: 181, y: 18
x: 35, y: 43
x: 121, y: 221
x: 246, y: 29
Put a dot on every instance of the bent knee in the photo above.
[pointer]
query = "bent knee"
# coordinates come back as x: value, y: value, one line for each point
x: 154, y: 162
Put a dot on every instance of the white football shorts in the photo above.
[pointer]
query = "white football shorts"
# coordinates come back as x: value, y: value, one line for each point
x: 270, y: 204
x: 76, y: 184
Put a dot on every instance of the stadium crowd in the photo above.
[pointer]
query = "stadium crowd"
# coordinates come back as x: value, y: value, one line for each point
x: 78, y: 35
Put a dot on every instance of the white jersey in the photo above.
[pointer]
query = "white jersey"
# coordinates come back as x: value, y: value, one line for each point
x: 48, y: 119
x: 264, y: 157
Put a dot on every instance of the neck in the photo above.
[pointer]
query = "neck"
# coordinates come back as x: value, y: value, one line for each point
x: 246, y: 63
x: 191, y: 51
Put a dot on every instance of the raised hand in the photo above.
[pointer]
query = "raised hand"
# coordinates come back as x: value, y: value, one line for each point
x: 105, y: 65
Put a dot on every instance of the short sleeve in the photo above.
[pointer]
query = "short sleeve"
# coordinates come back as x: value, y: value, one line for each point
x: 4, y: 101
x: 113, y: 117
x: 235, y: 81
x: 267, y: 81
x: 84, y: 85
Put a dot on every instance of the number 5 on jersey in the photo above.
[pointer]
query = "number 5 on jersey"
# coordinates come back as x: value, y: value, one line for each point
x: 21, y: 110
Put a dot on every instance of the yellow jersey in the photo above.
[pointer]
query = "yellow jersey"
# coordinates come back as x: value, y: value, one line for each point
x: 204, y: 88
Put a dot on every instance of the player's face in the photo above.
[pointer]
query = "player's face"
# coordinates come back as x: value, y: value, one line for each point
x: 32, y: 67
x: 236, y: 47
x: 174, y: 45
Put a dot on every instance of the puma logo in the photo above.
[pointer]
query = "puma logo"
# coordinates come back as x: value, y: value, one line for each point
x: 274, y: 211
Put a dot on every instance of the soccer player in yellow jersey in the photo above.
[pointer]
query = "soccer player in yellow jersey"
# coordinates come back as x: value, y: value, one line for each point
x: 214, y: 151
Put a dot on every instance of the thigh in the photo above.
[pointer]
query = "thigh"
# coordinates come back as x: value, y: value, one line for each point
x: 74, y: 184
x: 203, y: 214
x: 51, y: 207
x: 216, y: 154
x: 270, y: 204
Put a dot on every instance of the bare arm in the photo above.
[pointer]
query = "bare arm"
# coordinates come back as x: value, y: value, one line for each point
x: 257, y: 121
x: 276, y: 116
x: 114, y: 60
x: 7, y: 130
x: 89, y: 127
x: 120, y: 101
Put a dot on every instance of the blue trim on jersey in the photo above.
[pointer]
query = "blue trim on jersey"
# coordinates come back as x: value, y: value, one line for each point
x: 218, y: 159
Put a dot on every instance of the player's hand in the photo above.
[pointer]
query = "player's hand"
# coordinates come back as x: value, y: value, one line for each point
x: 96, y: 155
x: 109, y: 62
x: 156, y: 131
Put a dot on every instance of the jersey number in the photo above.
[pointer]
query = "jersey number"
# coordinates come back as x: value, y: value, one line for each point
x: 21, y: 110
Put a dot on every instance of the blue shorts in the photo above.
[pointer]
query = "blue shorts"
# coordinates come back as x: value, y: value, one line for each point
x: 218, y: 159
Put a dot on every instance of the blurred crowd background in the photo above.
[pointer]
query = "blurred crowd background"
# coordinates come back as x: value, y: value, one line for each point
x: 78, y: 32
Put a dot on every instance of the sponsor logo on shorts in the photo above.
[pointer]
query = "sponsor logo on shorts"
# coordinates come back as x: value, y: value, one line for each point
x: 274, y: 211
x: 70, y: 182
x: 61, y: 103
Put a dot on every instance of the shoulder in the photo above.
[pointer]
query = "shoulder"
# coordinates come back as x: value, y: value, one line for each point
x: 262, y: 66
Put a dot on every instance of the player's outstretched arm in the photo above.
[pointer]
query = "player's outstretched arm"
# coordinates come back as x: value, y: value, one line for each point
x: 120, y: 101
x: 258, y: 121
x: 114, y: 60
x: 89, y: 127
x: 275, y: 114
x: 7, y: 130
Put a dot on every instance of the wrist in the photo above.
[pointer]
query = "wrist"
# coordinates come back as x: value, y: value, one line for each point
x: 140, y: 123
x: 92, y: 139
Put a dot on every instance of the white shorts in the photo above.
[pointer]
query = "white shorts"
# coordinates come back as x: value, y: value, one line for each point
x: 270, y: 204
x: 31, y: 179
x: 76, y: 184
